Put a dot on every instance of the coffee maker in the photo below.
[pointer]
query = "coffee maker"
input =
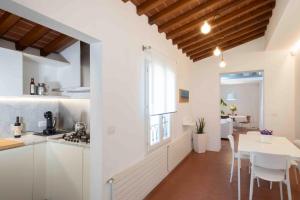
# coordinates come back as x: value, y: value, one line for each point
x: 50, y: 123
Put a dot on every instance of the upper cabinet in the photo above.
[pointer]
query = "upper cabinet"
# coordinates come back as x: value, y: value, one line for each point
x: 11, y: 72
x: 30, y: 50
x: 65, y: 74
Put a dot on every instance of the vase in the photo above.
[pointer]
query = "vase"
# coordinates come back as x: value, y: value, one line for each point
x: 199, y: 142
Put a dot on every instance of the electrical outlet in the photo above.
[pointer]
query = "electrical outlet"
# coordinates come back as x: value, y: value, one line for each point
x: 41, y: 124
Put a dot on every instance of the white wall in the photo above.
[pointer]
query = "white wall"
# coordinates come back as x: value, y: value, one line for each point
x: 122, y: 33
x: 279, y: 86
x: 247, y: 101
x: 297, y: 95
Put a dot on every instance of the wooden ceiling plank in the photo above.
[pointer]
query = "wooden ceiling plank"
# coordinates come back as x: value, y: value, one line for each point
x: 31, y: 37
x: 219, y: 38
x: 7, y: 21
x: 258, y: 5
x: 187, y: 15
x: 148, y: 5
x: 60, y: 42
x: 231, y: 39
x: 229, y: 47
x: 175, y: 7
x: 195, y: 36
x: 238, y: 38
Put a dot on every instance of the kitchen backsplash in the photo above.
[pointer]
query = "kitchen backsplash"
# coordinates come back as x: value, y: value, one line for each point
x: 32, y: 111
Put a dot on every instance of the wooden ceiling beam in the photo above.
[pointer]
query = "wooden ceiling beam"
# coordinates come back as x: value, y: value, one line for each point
x: 194, y: 36
x: 257, y: 6
x: 224, y: 48
x: 230, y: 41
x: 222, y: 37
x: 148, y: 5
x: 31, y: 37
x: 187, y: 15
x: 7, y: 21
x: 60, y: 42
x: 175, y: 7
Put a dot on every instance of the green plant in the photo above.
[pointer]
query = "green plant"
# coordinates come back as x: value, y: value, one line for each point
x: 233, y: 108
x: 200, y: 126
x: 223, y: 106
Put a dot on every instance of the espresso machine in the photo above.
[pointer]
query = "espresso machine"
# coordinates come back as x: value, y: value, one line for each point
x: 50, y: 124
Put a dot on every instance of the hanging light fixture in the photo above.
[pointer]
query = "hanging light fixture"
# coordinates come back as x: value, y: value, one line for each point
x: 222, y: 63
x: 205, y: 28
x: 217, y: 51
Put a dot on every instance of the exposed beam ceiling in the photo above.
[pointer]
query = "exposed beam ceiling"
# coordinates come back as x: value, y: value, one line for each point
x: 233, y: 22
x: 25, y: 33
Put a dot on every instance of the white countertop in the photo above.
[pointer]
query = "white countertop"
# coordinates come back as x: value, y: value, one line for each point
x: 30, y: 139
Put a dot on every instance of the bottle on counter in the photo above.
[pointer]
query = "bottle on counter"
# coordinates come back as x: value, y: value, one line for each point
x: 32, y: 87
x: 17, y: 129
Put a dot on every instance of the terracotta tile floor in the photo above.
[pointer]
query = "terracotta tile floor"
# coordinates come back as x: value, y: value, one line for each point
x: 206, y: 177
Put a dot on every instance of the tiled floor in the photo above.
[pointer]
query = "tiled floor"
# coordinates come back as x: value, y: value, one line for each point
x: 206, y: 177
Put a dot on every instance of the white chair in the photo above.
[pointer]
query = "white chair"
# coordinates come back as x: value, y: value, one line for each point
x: 235, y: 155
x: 274, y: 168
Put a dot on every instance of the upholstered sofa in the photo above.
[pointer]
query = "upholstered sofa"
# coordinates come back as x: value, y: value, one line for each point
x: 226, y: 127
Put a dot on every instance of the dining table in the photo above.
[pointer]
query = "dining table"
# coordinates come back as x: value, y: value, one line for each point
x: 268, y: 144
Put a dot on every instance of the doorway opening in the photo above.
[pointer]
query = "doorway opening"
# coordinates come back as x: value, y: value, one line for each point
x: 241, y: 102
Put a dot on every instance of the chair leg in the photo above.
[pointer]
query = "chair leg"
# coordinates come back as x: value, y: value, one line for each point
x: 288, y: 184
x: 271, y: 184
x: 231, y: 171
x: 296, y: 174
x: 251, y: 185
x: 280, y: 186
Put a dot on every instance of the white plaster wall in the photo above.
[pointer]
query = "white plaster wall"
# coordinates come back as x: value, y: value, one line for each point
x: 122, y: 33
x: 297, y: 95
x: 247, y: 101
x: 279, y: 85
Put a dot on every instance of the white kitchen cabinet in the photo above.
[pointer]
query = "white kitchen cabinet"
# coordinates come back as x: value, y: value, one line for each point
x: 64, y: 172
x: 16, y: 173
x: 11, y: 72
x: 39, y: 170
x: 86, y: 174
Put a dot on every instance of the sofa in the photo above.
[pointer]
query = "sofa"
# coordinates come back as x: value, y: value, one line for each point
x: 226, y: 127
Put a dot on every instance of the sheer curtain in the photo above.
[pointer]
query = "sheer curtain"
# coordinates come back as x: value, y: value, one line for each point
x: 162, y: 85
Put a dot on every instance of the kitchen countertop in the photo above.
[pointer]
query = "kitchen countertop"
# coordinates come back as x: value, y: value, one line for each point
x: 31, y: 139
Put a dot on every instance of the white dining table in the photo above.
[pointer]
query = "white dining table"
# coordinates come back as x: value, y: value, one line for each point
x: 276, y: 145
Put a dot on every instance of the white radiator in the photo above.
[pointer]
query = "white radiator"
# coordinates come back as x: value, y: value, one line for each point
x: 178, y: 150
x: 136, y: 182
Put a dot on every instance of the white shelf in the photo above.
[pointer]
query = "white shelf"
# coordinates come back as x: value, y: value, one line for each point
x: 40, y: 59
x: 38, y: 97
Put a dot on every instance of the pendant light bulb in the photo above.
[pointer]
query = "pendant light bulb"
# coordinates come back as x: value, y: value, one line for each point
x: 205, y: 28
x: 217, y: 51
x: 222, y: 63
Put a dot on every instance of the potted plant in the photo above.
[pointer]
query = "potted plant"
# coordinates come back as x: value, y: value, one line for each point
x: 233, y: 108
x: 199, y: 137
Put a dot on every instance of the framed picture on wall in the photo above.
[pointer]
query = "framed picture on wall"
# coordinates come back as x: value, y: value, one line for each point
x: 184, y: 96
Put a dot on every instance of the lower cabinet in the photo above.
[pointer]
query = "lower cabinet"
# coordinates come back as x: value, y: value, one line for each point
x: 46, y: 171
x: 16, y: 173
x: 86, y: 174
x: 64, y: 172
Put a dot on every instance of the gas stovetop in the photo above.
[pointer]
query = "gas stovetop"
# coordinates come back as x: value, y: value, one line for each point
x: 77, y: 137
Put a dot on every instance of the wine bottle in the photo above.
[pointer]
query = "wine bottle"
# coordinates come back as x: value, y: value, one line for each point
x: 32, y: 87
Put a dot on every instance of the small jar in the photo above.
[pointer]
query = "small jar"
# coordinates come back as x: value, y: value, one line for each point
x: 41, y: 89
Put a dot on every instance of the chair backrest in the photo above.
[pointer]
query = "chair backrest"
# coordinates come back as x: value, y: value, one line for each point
x: 248, y: 118
x: 231, y: 141
x: 270, y: 161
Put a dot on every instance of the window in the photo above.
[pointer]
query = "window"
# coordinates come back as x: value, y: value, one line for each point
x: 160, y: 100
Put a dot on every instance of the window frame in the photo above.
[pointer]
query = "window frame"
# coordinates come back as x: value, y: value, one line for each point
x: 162, y: 141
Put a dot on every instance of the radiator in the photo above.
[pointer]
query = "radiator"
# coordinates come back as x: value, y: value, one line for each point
x: 178, y: 150
x: 137, y: 181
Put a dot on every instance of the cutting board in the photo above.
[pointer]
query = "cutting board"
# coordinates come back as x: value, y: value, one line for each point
x: 8, y: 144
